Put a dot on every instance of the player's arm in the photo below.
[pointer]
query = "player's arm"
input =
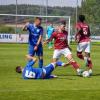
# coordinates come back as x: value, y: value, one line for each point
x: 79, y: 30
x: 50, y: 39
x: 31, y: 58
x: 39, y: 40
x: 25, y: 27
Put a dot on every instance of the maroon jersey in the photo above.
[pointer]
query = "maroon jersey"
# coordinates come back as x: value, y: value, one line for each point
x: 84, y: 34
x: 60, y: 40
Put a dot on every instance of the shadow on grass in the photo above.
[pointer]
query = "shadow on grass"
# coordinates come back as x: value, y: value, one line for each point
x: 96, y: 75
x: 67, y: 77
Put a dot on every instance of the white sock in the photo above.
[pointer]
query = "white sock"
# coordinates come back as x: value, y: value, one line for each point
x: 90, y: 71
x: 78, y: 70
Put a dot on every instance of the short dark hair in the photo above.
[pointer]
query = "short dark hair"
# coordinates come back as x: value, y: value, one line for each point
x: 18, y: 69
x: 81, y: 18
x: 63, y: 22
x: 39, y: 18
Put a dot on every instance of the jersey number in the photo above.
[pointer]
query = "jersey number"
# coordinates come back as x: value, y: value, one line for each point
x: 30, y: 74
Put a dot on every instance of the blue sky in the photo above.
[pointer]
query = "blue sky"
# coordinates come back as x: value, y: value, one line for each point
x: 43, y: 2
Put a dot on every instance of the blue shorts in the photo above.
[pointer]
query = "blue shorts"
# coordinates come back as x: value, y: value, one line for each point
x: 32, y: 52
x: 49, y: 69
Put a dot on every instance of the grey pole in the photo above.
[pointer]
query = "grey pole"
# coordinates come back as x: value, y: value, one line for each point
x: 46, y: 7
x: 76, y: 10
x: 46, y: 14
x: 16, y: 18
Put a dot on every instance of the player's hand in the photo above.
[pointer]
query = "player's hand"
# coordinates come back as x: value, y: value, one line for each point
x: 77, y: 38
x: 25, y: 26
x: 27, y: 23
x: 35, y: 48
x: 45, y: 42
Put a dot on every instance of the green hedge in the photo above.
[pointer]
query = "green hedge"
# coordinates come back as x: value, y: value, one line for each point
x: 6, y: 29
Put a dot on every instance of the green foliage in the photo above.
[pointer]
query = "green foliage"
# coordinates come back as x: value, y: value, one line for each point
x: 35, y: 10
x: 91, y: 8
x: 6, y: 29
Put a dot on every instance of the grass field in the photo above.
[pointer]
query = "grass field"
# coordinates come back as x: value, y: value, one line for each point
x: 67, y: 87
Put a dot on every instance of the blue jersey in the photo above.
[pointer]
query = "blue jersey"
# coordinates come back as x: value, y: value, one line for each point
x: 37, y: 73
x: 50, y: 30
x: 34, y: 33
x: 32, y: 73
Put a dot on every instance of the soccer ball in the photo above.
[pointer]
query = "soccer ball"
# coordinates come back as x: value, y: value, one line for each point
x: 86, y: 74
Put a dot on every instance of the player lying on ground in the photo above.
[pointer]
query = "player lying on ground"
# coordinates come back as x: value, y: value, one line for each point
x: 61, y: 46
x: 29, y: 72
x: 35, y: 39
x: 83, y: 39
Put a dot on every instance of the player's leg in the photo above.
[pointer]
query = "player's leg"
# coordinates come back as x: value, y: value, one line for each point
x: 67, y: 53
x: 79, y: 51
x: 56, y: 55
x: 83, y: 47
x: 31, y: 60
x: 87, y: 55
x: 80, y: 55
x: 48, y: 70
x: 40, y: 62
x: 30, y: 56
x: 40, y: 56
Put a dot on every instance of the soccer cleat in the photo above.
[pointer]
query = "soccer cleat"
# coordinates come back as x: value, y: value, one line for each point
x: 79, y: 72
x: 90, y: 72
x: 53, y: 76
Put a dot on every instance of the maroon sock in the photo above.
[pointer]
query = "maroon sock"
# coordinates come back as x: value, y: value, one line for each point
x: 74, y: 64
x: 79, y: 55
x: 89, y: 64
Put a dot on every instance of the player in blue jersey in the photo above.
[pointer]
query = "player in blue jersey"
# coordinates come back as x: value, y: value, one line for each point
x: 35, y: 39
x: 50, y: 30
x: 29, y: 72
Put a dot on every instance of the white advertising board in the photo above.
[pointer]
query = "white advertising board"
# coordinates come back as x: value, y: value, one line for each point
x: 13, y: 38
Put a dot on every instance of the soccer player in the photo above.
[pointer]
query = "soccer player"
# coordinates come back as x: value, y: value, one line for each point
x: 82, y: 37
x: 50, y: 30
x: 61, y: 46
x: 35, y: 39
x: 30, y: 72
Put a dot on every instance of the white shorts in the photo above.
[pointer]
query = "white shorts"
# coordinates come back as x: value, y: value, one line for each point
x: 84, y: 46
x: 58, y: 52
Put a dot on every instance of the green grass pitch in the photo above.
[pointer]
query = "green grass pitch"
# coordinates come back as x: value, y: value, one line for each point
x: 67, y: 87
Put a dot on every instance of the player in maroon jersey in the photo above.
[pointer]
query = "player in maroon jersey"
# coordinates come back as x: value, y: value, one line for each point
x: 61, y: 46
x: 82, y: 37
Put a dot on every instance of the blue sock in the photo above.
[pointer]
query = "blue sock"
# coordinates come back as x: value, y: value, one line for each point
x: 40, y: 63
x: 30, y: 63
x: 59, y: 63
